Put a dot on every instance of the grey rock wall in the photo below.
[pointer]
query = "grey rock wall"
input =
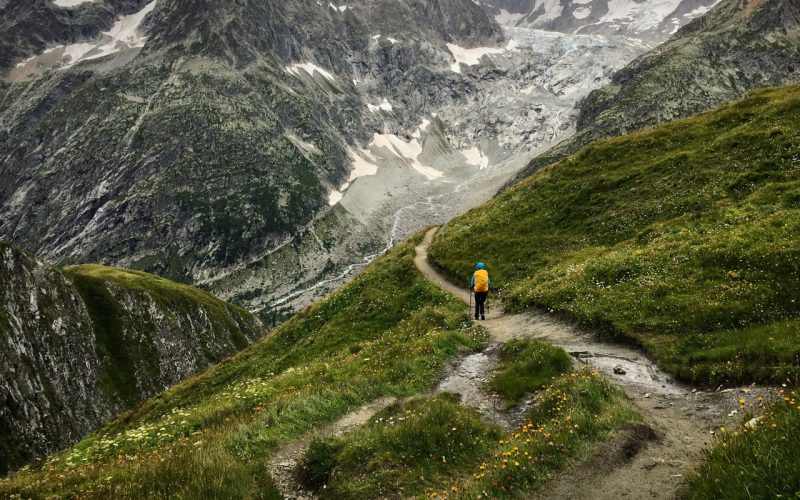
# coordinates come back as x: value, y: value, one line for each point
x: 79, y: 347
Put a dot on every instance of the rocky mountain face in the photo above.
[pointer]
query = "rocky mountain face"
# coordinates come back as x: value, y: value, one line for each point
x: 82, y: 345
x: 263, y: 97
x: 30, y: 27
x: 267, y: 150
x: 739, y: 46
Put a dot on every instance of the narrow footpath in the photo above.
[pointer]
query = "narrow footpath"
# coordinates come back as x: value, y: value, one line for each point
x: 635, y: 464
x: 644, y: 461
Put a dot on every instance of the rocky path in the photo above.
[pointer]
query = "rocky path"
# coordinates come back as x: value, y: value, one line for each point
x: 637, y: 463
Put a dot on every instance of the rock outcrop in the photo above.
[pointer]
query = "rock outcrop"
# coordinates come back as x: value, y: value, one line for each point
x: 80, y: 346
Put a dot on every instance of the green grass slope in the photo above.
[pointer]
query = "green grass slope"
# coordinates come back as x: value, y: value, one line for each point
x: 387, y: 332
x: 437, y: 448
x: 757, y: 460
x: 166, y: 293
x: 527, y: 366
x: 683, y: 238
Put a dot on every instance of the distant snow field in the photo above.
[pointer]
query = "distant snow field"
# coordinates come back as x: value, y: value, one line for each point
x: 471, y: 57
x: 408, y: 151
x: 310, y: 69
x: 334, y: 197
x: 71, y: 3
x: 123, y: 35
x: 476, y: 157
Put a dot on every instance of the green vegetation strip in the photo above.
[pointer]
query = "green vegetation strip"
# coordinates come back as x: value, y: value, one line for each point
x: 758, y: 460
x: 403, y: 450
x: 388, y: 332
x: 681, y: 238
x: 527, y: 366
x: 435, y: 447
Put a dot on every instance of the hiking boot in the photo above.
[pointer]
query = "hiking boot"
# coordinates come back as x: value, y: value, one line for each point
x: 483, y: 317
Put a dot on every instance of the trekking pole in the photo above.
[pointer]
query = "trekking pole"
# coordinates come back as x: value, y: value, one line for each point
x: 470, y: 300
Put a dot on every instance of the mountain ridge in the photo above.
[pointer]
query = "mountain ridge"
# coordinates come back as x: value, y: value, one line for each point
x: 87, y: 343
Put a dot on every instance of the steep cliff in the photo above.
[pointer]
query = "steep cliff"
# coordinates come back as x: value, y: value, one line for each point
x: 82, y: 345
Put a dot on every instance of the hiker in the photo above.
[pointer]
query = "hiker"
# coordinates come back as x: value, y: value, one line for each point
x: 480, y: 285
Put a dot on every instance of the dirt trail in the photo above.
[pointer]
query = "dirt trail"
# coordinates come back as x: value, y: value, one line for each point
x: 636, y: 463
x: 283, y: 464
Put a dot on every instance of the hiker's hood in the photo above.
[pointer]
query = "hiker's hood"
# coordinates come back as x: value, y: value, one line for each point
x: 480, y: 265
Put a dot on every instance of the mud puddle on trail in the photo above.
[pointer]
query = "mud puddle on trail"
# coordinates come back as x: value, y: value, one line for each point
x: 468, y: 376
x: 635, y: 463
x: 283, y: 464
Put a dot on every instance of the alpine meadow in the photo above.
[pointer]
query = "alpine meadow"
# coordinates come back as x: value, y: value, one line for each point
x: 391, y: 249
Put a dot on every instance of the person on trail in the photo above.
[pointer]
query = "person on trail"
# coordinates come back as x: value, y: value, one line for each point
x: 480, y: 285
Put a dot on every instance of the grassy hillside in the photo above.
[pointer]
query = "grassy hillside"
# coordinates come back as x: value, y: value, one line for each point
x: 387, y: 332
x: 436, y: 448
x: 757, y: 460
x: 683, y: 238
x: 92, y: 281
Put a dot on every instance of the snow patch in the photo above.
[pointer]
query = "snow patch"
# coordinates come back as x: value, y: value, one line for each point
x: 334, y: 197
x: 340, y: 8
x: 123, y: 35
x: 698, y: 12
x: 422, y: 128
x: 71, y: 3
x: 408, y: 151
x: 476, y: 157
x: 26, y: 61
x: 469, y: 57
x: 76, y: 52
x: 385, y: 105
x: 392, y: 40
x: 309, y: 69
x: 362, y: 166
x: 581, y: 12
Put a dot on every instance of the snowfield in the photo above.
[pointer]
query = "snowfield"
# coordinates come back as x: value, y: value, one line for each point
x: 71, y: 3
x: 124, y: 35
x: 310, y: 69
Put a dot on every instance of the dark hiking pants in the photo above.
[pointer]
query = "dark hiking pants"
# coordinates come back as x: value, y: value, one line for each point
x: 480, y: 301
